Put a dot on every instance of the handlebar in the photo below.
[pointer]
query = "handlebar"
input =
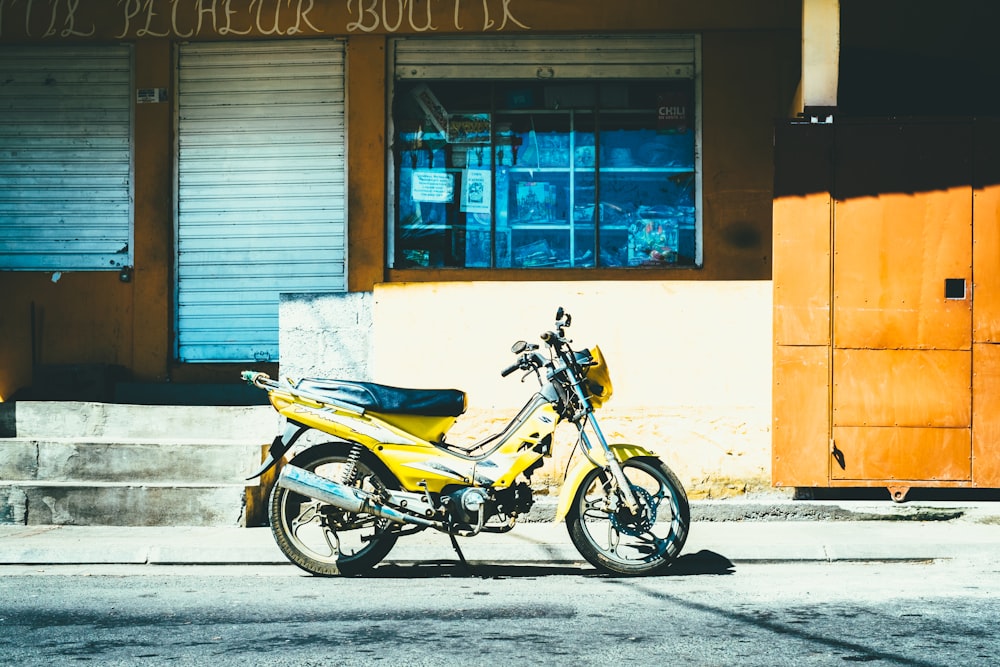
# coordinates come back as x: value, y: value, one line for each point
x: 554, y: 339
x: 257, y: 379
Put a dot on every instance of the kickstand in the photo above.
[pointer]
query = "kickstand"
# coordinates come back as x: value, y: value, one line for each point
x: 461, y: 556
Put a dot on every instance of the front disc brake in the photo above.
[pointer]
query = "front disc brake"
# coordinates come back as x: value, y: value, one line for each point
x: 635, y: 525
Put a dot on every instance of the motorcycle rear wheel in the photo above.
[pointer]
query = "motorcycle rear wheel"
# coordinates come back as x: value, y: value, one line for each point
x: 618, y: 542
x: 325, y: 540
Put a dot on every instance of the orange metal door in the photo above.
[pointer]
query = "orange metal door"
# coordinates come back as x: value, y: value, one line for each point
x: 902, y: 311
x: 986, y: 310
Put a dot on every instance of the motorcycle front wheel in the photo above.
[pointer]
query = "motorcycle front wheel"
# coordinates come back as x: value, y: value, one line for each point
x: 325, y: 540
x: 615, y: 540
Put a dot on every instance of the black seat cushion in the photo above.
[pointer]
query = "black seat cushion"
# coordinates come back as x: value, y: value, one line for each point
x: 389, y: 400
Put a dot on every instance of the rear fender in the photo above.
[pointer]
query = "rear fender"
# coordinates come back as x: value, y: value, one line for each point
x: 575, y: 477
x: 280, y: 446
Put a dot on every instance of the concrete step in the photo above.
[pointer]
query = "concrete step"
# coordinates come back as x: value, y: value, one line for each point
x: 135, y: 461
x: 67, y: 419
x: 91, y: 464
x: 114, y: 504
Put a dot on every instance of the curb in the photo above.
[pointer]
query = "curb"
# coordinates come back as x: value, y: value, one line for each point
x: 786, y: 509
x: 921, y: 535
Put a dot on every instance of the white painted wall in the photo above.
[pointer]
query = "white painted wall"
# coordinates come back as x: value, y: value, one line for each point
x: 696, y: 343
x: 820, y: 52
x: 690, y: 361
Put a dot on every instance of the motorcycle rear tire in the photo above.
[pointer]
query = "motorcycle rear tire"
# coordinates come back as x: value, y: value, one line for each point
x: 292, y: 513
x: 617, y: 542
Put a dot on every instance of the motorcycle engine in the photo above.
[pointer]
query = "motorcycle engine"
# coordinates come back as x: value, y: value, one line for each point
x: 466, y: 504
x: 515, y: 500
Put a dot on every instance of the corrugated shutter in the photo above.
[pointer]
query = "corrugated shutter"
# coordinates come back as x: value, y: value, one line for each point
x: 261, y: 196
x: 65, y: 157
x: 550, y: 57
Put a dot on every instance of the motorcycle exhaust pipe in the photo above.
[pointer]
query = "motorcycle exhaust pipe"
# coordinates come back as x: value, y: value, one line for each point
x: 313, y: 486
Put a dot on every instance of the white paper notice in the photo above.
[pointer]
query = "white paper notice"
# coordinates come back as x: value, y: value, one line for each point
x: 433, y: 186
x: 476, y: 191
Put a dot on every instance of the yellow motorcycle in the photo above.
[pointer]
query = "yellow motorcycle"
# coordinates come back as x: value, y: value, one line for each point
x: 389, y: 471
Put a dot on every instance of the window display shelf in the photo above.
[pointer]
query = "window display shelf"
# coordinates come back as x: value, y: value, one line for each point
x: 648, y: 170
x: 539, y: 170
x: 431, y: 226
x: 554, y: 226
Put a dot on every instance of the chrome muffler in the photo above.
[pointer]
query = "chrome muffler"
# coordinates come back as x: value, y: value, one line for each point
x: 348, y: 498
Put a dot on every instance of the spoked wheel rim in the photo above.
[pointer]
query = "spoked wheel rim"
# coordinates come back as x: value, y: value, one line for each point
x: 616, y: 539
x: 324, y: 539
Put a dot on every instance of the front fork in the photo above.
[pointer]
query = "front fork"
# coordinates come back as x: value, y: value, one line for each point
x: 586, y: 418
x: 612, y: 464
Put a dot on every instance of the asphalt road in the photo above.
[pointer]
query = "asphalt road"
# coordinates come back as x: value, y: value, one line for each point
x: 710, y: 613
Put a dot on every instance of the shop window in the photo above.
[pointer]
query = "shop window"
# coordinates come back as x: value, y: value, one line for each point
x: 509, y: 175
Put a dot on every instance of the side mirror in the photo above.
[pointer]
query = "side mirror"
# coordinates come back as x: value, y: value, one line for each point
x: 519, y: 347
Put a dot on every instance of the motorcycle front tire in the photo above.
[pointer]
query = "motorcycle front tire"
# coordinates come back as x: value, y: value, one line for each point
x: 324, y: 540
x: 614, y: 540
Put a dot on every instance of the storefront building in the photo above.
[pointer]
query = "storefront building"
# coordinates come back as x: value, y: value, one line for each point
x: 399, y: 189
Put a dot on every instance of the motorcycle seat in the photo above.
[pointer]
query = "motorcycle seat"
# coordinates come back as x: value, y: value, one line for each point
x: 388, y: 400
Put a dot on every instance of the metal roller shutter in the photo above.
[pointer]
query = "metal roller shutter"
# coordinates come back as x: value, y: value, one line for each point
x: 550, y: 57
x: 261, y: 190
x: 65, y: 157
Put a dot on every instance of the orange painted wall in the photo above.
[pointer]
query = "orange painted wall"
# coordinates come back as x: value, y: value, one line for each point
x: 153, y: 216
x: 366, y: 150
x: 748, y: 82
x: 81, y: 318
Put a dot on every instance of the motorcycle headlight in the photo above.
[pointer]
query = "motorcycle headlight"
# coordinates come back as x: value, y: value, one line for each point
x: 597, y: 378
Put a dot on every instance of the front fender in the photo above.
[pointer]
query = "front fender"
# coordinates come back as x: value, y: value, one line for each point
x: 575, y: 477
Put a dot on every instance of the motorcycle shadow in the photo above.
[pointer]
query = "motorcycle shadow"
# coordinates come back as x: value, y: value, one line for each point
x: 697, y: 564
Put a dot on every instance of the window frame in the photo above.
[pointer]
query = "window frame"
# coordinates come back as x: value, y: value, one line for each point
x: 433, y: 274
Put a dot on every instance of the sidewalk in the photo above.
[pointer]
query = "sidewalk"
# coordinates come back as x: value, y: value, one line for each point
x: 737, y: 532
